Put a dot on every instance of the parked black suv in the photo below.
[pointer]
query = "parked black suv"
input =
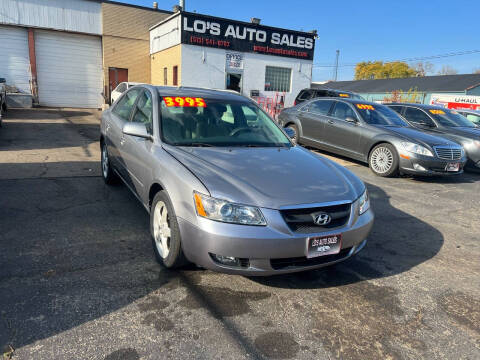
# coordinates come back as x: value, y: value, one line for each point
x: 307, y: 94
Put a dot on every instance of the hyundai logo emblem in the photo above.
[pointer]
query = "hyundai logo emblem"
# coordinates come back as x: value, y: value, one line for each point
x: 321, y: 219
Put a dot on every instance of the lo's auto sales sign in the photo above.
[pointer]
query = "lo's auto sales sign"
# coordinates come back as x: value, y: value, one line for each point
x: 228, y: 34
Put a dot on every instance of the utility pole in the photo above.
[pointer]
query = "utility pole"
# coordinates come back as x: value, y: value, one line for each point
x: 336, y: 65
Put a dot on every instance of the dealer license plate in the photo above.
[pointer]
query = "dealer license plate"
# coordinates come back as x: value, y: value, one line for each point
x: 324, y: 245
x: 453, y: 167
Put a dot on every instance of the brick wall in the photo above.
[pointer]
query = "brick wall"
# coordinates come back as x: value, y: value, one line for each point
x: 125, y: 40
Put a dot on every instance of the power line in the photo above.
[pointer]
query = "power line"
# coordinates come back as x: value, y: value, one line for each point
x: 440, y: 56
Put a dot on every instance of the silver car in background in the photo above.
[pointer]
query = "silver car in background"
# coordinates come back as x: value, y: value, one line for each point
x: 372, y: 133
x: 225, y: 187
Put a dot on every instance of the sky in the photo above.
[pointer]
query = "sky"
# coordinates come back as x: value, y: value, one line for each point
x: 363, y: 30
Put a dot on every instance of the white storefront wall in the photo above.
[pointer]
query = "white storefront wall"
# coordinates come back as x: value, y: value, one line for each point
x: 205, y: 67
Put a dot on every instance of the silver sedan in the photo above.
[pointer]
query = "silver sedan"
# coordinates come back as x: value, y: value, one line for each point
x: 225, y: 187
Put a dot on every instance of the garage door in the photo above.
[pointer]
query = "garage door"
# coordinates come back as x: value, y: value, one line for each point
x: 69, y: 69
x: 14, y: 59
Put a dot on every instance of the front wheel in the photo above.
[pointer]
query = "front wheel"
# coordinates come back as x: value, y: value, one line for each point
x: 383, y: 160
x: 167, y: 243
x: 108, y: 174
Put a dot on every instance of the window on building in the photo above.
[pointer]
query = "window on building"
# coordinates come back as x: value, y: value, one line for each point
x: 175, y: 75
x: 277, y: 79
x: 165, y: 80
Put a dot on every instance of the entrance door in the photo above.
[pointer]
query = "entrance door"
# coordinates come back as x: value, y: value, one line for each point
x: 234, y: 82
x: 115, y: 77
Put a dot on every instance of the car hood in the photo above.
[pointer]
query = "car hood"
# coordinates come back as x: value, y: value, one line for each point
x: 269, y: 177
x: 418, y: 136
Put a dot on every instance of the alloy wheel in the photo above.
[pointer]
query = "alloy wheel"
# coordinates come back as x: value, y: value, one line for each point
x: 105, y: 161
x: 382, y: 160
x: 161, y: 229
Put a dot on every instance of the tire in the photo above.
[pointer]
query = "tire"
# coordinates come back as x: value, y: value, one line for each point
x: 166, y: 239
x: 383, y: 160
x: 295, y: 129
x: 108, y: 174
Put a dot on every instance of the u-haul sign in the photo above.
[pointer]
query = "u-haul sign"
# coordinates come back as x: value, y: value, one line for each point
x: 456, y: 101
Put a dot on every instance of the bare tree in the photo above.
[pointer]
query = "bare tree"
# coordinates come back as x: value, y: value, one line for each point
x: 424, y: 68
x: 447, y: 70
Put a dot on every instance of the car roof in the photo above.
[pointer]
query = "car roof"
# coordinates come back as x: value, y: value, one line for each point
x: 206, y: 93
x: 350, y: 100
x: 333, y: 90
x: 421, y: 106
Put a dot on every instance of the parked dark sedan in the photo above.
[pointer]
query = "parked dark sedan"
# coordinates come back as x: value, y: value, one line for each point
x: 447, y: 123
x: 372, y: 133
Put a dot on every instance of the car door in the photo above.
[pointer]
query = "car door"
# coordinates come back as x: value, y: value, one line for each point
x: 343, y: 130
x: 313, y: 119
x: 120, y: 114
x: 136, y: 151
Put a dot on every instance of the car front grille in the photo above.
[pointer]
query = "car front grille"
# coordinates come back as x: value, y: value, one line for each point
x: 280, y: 264
x: 301, y: 220
x: 448, y: 153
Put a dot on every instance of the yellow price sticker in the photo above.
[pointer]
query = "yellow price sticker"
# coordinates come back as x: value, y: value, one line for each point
x: 344, y: 95
x: 437, y: 112
x: 365, y: 107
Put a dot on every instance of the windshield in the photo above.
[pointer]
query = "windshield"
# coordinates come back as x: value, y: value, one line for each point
x: 380, y: 115
x: 450, y: 118
x: 202, y: 122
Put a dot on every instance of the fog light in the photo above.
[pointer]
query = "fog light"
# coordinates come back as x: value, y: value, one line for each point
x: 419, y: 167
x: 230, y: 261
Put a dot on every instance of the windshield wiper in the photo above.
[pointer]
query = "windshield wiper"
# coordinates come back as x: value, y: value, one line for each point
x: 194, y: 144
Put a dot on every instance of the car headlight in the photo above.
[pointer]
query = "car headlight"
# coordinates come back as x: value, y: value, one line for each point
x: 363, y: 203
x: 222, y: 210
x: 416, y: 148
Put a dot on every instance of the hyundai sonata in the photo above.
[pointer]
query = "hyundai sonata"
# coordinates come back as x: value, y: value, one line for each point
x: 225, y: 187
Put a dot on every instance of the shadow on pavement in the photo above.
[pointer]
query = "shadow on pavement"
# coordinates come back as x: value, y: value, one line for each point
x: 397, y: 243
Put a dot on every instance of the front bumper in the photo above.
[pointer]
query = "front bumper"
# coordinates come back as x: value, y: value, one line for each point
x: 271, y: 249
x: 428, y: 166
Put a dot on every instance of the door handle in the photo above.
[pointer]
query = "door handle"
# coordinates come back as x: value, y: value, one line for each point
x: 330, y: 121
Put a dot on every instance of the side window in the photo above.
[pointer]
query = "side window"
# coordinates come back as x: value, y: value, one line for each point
x: 342, y: 111
x: 144, y: 111
x: 321, y: 93
x: 418, y: 117
x: 121, y: 87
x: 321, y: 107
x: 397, y: 109
x: 305, y: 95
x: 124, y: 106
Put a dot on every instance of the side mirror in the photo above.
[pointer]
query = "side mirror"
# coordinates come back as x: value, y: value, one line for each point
x: 136, y: 129
x: 290, y: 132
x: 2, y: 80
x: 351, y: 120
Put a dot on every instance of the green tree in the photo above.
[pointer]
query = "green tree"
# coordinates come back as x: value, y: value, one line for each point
x: 379, y: 70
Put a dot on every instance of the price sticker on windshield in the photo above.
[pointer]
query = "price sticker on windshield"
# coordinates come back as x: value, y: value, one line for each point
x: 365, y: 107
x: 437, y: 112
x: 181, y: 101
x: 344, y: 95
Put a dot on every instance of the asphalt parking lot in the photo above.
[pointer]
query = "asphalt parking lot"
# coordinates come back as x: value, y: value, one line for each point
x: 78, y: 279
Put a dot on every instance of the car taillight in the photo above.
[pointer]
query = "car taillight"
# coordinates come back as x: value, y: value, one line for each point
x: 295, y: 103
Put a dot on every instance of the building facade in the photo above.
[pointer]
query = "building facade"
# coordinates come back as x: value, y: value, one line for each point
x: 189, y: 49
x: 71, y: 53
